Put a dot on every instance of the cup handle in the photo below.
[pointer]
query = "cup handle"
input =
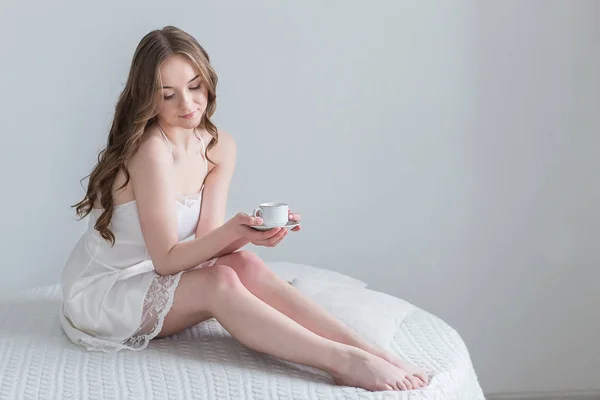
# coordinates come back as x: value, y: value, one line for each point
x: 257, y: 213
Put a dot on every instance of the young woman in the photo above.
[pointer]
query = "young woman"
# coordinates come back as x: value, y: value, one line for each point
x: 163, y: 177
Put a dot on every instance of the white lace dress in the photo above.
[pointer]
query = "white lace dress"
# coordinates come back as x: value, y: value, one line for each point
x: 112, y: 297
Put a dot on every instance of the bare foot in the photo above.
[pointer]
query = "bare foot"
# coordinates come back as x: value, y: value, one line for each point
x: 417, y: 377
x: 358, y: 368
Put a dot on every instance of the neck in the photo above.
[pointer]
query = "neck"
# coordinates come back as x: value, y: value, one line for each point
x: 179, y: 137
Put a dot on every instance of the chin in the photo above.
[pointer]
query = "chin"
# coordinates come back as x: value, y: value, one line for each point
x: 189, y: 123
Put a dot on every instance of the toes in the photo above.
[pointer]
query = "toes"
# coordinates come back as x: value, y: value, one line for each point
x: 401, y: 385
x: 422, y: 381
x: 422, y: 377
x: 388, y: 387
x: 414, y: 381
x: 407, y: 383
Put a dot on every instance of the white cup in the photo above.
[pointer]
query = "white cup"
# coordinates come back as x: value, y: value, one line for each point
x: 272, y: 214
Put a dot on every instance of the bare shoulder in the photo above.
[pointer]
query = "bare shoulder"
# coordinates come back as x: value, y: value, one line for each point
x: 225, y: 151
x: 152, y: 157
x: 152, y: 150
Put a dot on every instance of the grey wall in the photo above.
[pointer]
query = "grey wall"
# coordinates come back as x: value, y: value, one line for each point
x: 446, y: 153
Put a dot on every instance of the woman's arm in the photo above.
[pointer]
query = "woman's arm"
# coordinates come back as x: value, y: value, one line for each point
x: 235, y: 246
x: 151, y: 174
x: 214, y: 199
x: 216, y: 187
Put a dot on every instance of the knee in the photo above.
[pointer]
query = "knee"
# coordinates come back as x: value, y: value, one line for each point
x: 250, y: 266
x: 224, y: 277
x: 248, y: 257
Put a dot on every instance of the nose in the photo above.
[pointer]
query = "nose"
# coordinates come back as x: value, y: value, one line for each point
x: 186, y: 103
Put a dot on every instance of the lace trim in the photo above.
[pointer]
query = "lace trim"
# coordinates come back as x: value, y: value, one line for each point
x: 157, y: 303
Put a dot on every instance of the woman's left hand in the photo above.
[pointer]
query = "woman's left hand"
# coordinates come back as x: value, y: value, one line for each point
x: 278, y: 233
x: 295, y: 217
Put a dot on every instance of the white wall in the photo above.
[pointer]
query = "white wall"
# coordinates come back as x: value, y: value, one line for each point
x: 445, y: 153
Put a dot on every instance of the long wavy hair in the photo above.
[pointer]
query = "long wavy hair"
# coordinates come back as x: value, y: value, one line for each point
x: 136, y: 109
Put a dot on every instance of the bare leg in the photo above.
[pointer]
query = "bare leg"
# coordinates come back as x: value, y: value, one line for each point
x: 267, y: 286
x: 217, y: 291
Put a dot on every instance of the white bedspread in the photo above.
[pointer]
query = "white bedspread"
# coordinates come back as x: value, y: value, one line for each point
x: 37, y: 361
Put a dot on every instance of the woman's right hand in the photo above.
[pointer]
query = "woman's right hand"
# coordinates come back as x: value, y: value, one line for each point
x: 241, y: 224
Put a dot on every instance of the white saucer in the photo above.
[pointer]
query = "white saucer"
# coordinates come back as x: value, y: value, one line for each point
x: 290, y: 224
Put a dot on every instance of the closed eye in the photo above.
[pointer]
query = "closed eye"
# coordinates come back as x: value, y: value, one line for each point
x: 192, y: 88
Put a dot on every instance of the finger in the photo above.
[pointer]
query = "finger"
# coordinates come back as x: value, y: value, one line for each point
x: 252, y: 233
x: 270, y: 234
x: 295, y: 217
x: 279, y: 237
x: 296, y: 228
x: 259, y: 243
x: 261, y: 236
x: 268, y: 242
x: 246, y: 219
x: 242, y: 218
x: 254, y: 221
x: 255, y: 234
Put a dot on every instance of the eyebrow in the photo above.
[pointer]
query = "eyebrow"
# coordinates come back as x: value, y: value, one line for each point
x: 169, y: 87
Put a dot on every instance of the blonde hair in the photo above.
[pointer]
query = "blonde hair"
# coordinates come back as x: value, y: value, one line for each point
x: 136, y: 109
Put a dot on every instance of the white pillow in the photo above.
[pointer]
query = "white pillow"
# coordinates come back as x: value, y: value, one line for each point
x: 290, y: 271
x: 373, y: 315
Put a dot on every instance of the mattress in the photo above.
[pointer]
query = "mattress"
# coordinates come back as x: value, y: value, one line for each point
x: 37, y: 361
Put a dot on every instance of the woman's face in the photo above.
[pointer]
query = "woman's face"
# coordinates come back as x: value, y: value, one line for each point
x: 184, y: 93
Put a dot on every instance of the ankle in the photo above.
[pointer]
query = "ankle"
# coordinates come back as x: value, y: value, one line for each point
x: 338, y: 357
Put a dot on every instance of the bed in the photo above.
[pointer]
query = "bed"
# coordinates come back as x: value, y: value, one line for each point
x: 37, y: 361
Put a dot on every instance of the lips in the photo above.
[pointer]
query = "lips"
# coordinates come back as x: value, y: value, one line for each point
x: 190, y: 115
